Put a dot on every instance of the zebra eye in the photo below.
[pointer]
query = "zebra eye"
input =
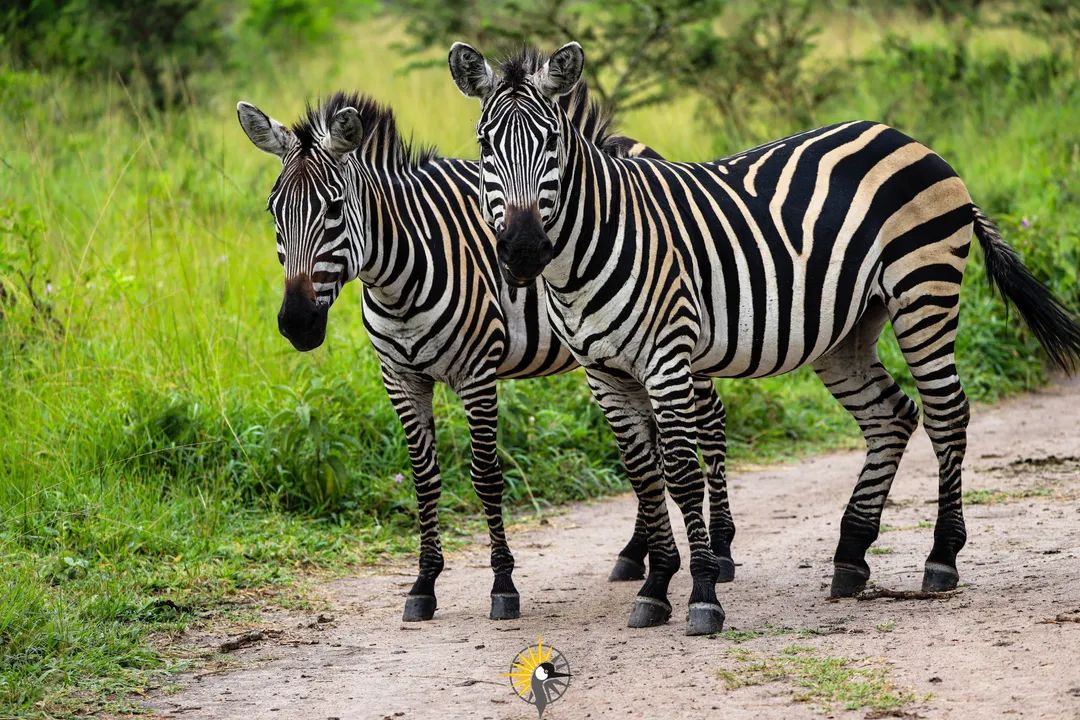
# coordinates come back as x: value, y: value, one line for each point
x: 333, y: 210
x: 485, y: 147
x: 552, y: 142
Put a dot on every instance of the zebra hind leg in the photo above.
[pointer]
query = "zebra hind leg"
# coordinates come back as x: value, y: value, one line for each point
x: 927, y: 335
x: 712, y: 441
x: 629, y: 413
x: 887, y: 417
x: 630, y: 565
x: 482, y: 410
x: 411, y: 397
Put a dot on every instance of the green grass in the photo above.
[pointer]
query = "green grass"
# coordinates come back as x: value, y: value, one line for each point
x: 146, y: 410
x: 995, y: 497
x: 741, y: 636
x: 827, y: 682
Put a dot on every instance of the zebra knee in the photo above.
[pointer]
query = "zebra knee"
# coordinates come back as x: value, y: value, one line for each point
x: 946, y: 410
x: 909, y: 415
x: 486, y: 471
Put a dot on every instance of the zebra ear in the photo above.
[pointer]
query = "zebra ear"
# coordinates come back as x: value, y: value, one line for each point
x: 267, y: 133
x: 562, y: 71
x: 472, y: 75
x: 346, y: 132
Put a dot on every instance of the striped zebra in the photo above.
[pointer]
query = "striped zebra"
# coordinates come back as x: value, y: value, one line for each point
x: 354, y: 200
x: 794, y: 253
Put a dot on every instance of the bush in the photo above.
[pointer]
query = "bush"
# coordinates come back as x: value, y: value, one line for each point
x: 955, y: 81
x: 151, y: 45
x: 156, y: 47
x: 635, y: 50
x: 760, y: 71
x: 281, y: 24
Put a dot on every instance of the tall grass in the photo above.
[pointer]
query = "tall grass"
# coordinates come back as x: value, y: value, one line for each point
x: 145, y: 471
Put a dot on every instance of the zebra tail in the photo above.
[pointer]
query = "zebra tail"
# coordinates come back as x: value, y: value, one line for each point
x: 1044, y: 314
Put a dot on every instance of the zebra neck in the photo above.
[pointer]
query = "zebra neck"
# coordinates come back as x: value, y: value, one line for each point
x: 389, y: 257
x: 585, y: 228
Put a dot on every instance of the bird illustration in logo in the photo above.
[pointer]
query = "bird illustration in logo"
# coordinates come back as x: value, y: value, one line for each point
x: 539, y: 675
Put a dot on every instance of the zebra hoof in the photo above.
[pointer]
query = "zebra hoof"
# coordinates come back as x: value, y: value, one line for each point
x: 939, y: 578
x: 649, y: 612
x: 626, y: 569
x: 505, y: 606
x: 419, y: 608
x: 848, y: 581
x: 727, y: 569
x: 704, y: 619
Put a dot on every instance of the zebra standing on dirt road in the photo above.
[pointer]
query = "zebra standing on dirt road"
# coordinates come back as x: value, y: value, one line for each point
x: 794, y: 253
x: 355, y: 201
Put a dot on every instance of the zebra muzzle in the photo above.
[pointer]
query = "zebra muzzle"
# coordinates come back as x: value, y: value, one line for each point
x: 523, y: 248
x: 301, y: 320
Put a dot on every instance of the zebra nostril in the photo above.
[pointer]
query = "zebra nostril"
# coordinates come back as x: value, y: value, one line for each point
x: 547, y: 251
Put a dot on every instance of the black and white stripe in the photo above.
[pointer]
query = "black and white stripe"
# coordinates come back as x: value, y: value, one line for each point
x: 794, y: 253
x: 354, y: 201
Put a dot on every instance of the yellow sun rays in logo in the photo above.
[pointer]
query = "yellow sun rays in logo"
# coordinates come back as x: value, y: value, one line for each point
x: 522, y: 668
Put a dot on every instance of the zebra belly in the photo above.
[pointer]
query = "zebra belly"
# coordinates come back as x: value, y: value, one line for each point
x: 771, y: 331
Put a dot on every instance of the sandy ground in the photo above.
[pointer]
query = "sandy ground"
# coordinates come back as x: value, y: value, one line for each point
x: 985, y: 652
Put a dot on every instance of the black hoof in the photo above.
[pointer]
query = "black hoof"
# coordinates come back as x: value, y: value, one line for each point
x: 626, y: 569
x: 939, y: 578
x: 649, y: 612
x: 704, y: 619
x: 419, y: 607
x: 505, y: 606
x: 848, y: 581
x: 727, y: 569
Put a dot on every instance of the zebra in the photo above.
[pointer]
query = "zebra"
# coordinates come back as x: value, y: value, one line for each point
x: 794, y: 253
x: 354, y: 200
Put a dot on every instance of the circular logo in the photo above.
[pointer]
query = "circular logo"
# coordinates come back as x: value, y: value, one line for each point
x: 540, y: 675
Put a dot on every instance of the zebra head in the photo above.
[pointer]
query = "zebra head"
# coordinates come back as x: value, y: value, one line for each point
x: 523, y: 140
x: 309, y: 205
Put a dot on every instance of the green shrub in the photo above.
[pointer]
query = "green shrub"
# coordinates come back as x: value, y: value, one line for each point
x: 151, y: 45
x: 284, y: 24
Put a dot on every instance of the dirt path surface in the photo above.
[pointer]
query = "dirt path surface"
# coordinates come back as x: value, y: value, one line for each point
x: 984, y: 652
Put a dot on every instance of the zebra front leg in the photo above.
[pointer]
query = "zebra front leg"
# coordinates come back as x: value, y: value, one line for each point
x: 712, y: 441
x: 482, y: 409
x: 630, y: 565
x: 411, y: 397
x: 628, y: 412
x: 674, y: 406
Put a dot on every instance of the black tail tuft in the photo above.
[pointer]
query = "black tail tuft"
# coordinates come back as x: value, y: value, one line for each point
x: 1044, y: 314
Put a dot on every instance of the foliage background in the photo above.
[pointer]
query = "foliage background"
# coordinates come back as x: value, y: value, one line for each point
x: 164, y: 451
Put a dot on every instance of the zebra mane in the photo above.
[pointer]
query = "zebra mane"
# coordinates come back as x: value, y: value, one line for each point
x: 592, y: 119
x: 516, y: 67
x: 381, y: 142
x: 382, y: 138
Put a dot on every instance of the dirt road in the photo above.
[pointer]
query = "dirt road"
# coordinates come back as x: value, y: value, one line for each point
x: 985, y: 652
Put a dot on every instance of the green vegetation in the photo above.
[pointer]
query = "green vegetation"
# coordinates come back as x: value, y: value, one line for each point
x: 164, y: 449
x: 994, y: 497
x: 741, y: 636
x: 823, y: 681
